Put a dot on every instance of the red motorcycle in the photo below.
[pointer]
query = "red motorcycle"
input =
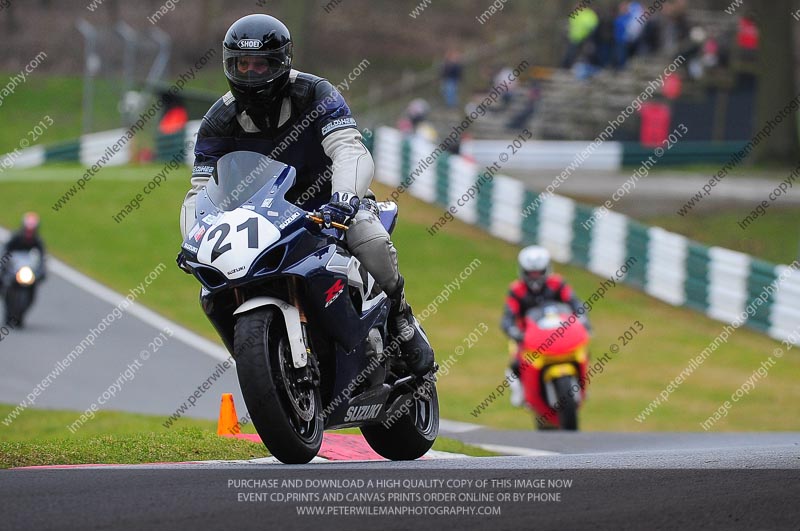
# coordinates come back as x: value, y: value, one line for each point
x: 553, y: 360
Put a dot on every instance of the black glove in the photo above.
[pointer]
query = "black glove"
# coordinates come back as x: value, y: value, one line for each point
x: 515, y: 333
x: 181, y: 261
x: 340, y: 209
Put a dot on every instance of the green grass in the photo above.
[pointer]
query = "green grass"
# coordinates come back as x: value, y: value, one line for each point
x: 774, y: 236
x: 40, y: 438
x: 121, y: 255
x: 185, y: 444
x: 22, y: 110
x: 444, y: 444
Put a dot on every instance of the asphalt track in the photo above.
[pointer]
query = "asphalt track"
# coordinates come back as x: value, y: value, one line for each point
x: 63, y: 316
x: 622, y: 481
x: 208, y: 497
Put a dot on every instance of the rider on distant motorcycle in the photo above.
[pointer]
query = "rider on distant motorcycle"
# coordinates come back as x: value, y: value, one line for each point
x: 536, y: 286
x: 25, y: 238
x: 301, y: 120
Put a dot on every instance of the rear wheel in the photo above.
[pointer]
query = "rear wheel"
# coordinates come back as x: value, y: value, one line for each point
x: 412, y: 434
x: 285, y: 410
x: 567, y: 404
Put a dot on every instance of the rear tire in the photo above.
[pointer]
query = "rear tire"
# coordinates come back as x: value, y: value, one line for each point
x: 568, y: 406
x: 286, y: 417
x: 412, y: 435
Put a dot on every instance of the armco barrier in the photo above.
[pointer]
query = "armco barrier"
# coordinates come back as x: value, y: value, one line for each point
x: 718, y: 282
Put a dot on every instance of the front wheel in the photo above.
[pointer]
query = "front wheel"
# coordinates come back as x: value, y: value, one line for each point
x: 411, y: 435
x: 18, y: 299
x: 567, y: 404
x: 284, y: 407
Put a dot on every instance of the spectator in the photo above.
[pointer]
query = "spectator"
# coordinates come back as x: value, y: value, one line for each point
x: 675, y: 26
x: 415, y: 120
x: 581, y: 28
x: 604, y: 39
x: 694, y: 52
x: 711, y: 52
x: 452, y: 70
x: 633, y: 29
x: 521, y: 119
x: 584, y: 68
x: 651, y: 38
x: 747, y: 36
x: 621, y: 35
x: 501, y: 79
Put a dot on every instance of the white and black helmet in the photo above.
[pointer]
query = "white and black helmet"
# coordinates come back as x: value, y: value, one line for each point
x: 534, y: 266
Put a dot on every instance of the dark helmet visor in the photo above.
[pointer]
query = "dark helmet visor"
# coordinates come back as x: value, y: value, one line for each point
x: 252, y: 68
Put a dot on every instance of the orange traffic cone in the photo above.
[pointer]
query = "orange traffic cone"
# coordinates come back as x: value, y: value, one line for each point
x: 228, y: 424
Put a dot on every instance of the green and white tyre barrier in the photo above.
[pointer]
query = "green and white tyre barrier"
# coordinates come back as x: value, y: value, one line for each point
x: 609, y: 156
x: 548, y: 154
x: 87, y: 150
x: 91, y: 148
x: 167, y: 146
x: 24, y: 158
x: 720, y: 283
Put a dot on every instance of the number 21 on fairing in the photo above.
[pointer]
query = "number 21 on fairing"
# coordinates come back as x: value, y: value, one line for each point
x: 235, y: 240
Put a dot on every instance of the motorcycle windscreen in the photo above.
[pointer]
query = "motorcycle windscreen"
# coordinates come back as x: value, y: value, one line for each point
x: 241, y: 174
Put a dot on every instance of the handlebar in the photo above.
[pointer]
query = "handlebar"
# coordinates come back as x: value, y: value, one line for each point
x: 319, y: 221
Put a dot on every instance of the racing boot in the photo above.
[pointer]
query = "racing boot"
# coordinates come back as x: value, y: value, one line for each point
x: 517, y: 395
x: 414, y: 345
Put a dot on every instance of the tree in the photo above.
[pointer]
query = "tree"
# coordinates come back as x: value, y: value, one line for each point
x: 776, y: 82
x: 299, y: 18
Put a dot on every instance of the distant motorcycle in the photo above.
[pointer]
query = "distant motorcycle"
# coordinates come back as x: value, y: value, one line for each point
x: 305, y: 322
x: 22, y: 275
x: 554, y: 359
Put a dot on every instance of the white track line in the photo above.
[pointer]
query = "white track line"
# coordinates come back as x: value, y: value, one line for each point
x: 454, y: 426
x: 514, y: 450
x: 429, y: 456
x: 182, y: 334
x: 137, y: 310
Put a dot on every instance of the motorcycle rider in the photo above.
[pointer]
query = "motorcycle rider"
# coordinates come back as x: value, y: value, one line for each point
x: 536, y: 285
x: 25, y: 239
x: 303, y: 121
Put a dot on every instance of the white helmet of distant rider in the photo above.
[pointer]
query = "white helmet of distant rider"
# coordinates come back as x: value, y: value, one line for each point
x: 534, y: 267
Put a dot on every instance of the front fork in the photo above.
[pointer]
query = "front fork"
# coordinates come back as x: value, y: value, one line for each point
x: 309, y: 375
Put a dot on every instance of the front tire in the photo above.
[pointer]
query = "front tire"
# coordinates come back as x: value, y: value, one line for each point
x: 568, y: 405
x: 412, y: 435
x: 286, y: 415
x: 18, y: 300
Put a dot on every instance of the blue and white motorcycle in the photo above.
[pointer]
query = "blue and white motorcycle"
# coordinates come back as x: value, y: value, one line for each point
x: 306, y: 324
